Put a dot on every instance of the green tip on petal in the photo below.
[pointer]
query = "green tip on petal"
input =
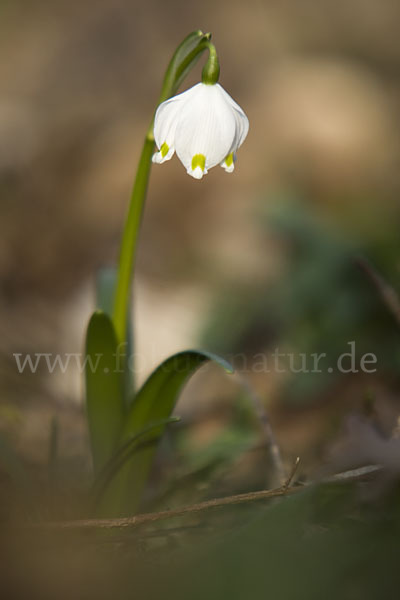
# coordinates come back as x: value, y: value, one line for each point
x: 229, y: 160
x: 164, y: 149
x: 199, y: 160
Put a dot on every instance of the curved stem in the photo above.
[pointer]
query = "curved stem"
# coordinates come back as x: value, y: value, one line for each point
x: 173, y: 78
x: 210, y: 73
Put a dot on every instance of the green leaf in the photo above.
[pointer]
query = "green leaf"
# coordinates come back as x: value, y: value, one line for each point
x: 106, y: 283
x: 157, y: 397
x: 104, y: 388
x: 154, y: 402
x: 148, y: 436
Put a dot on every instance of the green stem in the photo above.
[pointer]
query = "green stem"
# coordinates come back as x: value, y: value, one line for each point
x: 173, y: 77
x: 210, y: 73
x: 129, y: 239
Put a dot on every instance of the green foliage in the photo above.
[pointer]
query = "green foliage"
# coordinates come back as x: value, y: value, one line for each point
x: 147, y: 436
x: 157, y: 397
x: 104, y: 389
x: 122, y: 464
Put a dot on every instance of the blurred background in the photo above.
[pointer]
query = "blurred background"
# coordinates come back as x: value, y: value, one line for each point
x: 269, y: 257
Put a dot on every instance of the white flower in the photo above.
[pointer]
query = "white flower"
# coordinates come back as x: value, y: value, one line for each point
x: 204, y: 126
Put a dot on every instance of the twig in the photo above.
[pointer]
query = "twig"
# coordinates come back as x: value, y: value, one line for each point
x: 292, y: 473
x: 386, y: 291
x: 148, y: 518
x: 167, y: 514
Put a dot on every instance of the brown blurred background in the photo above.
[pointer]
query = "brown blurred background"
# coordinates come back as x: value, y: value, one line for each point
x: 320, y: 83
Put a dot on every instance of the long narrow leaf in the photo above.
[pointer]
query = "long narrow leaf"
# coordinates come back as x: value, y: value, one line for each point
x: 155, y: 401
x: 157, y: 397
x: 106, y: 282
x: 104, y: 389
x: 148, y: 436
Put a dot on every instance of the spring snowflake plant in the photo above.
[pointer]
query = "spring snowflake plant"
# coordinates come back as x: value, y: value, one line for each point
x: 205, y: 127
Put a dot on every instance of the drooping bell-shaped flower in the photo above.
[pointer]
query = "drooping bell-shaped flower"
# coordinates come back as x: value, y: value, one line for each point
x: 203, y: 125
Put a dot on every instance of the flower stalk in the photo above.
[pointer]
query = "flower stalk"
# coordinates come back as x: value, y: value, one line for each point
x: 210, y: 73
x: 182, y: 61
x: 129, y: 241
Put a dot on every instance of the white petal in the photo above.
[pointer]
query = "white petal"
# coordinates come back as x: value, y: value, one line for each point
x: 197, y: 173
x: 165, y: 122
x: 242, y: 122
x: 229, y: 163
x: 206, y: 126
x: 160, y: 157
